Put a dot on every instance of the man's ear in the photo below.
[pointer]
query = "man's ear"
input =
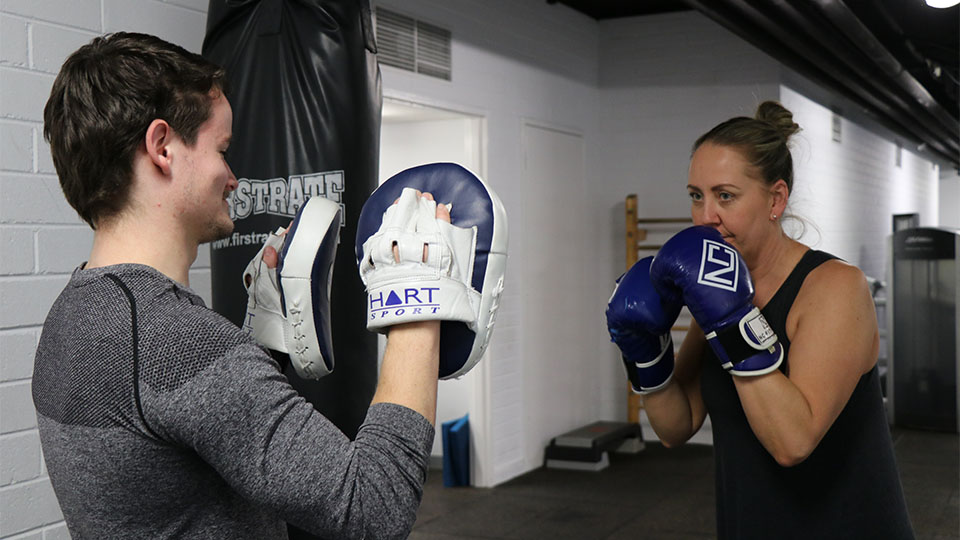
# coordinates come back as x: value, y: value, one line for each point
x: 158, y: 138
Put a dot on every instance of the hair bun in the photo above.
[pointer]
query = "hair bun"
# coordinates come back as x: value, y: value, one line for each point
x: 778, y: 116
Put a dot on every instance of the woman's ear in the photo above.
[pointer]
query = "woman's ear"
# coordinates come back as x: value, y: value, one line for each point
x: 779, y: 196
x: 158, y: 138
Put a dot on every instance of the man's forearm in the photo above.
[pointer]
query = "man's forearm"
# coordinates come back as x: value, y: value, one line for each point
x: 408, y: 375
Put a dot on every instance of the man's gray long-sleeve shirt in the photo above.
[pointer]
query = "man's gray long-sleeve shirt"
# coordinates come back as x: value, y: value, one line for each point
x: 161, y: 419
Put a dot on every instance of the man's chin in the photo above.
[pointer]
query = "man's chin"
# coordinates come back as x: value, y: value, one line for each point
x: 218, y: 231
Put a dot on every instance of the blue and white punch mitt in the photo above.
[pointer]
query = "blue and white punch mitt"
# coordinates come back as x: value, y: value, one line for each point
x: 288, y: 308
x: 459, y: 281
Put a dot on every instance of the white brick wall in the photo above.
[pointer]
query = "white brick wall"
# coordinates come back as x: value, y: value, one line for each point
x: 850, y: 190
x: 41, y: 237
x: 83, y: 14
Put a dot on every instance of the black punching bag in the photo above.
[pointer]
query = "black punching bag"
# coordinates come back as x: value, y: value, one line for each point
x: 305, y: 88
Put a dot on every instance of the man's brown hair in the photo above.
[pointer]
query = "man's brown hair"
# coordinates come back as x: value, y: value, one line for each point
x: 102, y: 102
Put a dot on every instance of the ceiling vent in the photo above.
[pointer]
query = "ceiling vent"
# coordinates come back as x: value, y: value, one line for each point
x: 406, y: 43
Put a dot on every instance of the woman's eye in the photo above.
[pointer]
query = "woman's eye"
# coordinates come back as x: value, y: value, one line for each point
x: 724, y: 196
x: 695, y: 196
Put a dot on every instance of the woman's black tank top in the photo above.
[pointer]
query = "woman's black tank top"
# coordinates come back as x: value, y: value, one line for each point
x: 849, y: 487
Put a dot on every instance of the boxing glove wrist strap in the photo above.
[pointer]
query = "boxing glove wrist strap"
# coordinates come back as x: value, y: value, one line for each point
x: 649, y: 377
x: 736, y: 344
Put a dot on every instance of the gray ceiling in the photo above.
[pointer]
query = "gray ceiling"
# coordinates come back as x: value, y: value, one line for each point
x: 898, y: 60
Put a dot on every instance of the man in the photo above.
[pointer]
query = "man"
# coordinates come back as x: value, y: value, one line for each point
x: 158, y: 417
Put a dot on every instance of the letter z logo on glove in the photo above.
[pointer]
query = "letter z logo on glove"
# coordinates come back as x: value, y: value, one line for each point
x: 719, y: 266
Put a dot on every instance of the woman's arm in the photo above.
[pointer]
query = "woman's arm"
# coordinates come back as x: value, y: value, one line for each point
x: 677, y: 412
x: 834, y: 342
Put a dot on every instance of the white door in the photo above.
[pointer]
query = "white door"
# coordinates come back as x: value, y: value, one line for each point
x: 558, y: 382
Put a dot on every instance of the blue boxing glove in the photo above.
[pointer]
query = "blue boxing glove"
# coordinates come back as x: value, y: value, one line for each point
x: 639, y: 322
x: 715, y: 284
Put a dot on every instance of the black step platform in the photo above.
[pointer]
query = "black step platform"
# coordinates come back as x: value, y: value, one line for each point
x: 586, y: 448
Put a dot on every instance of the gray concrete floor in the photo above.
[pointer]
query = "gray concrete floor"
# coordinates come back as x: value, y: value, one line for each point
x: 663, y: 494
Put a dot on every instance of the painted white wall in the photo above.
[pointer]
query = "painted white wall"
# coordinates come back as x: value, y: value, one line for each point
x: 850, y: 190
x: 949, y: 198
x: 402, y: 144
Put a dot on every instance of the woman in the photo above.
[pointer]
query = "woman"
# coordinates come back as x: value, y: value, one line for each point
x: 803, y: 451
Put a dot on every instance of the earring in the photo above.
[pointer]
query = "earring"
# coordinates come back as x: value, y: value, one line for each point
x: 773, y: 217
